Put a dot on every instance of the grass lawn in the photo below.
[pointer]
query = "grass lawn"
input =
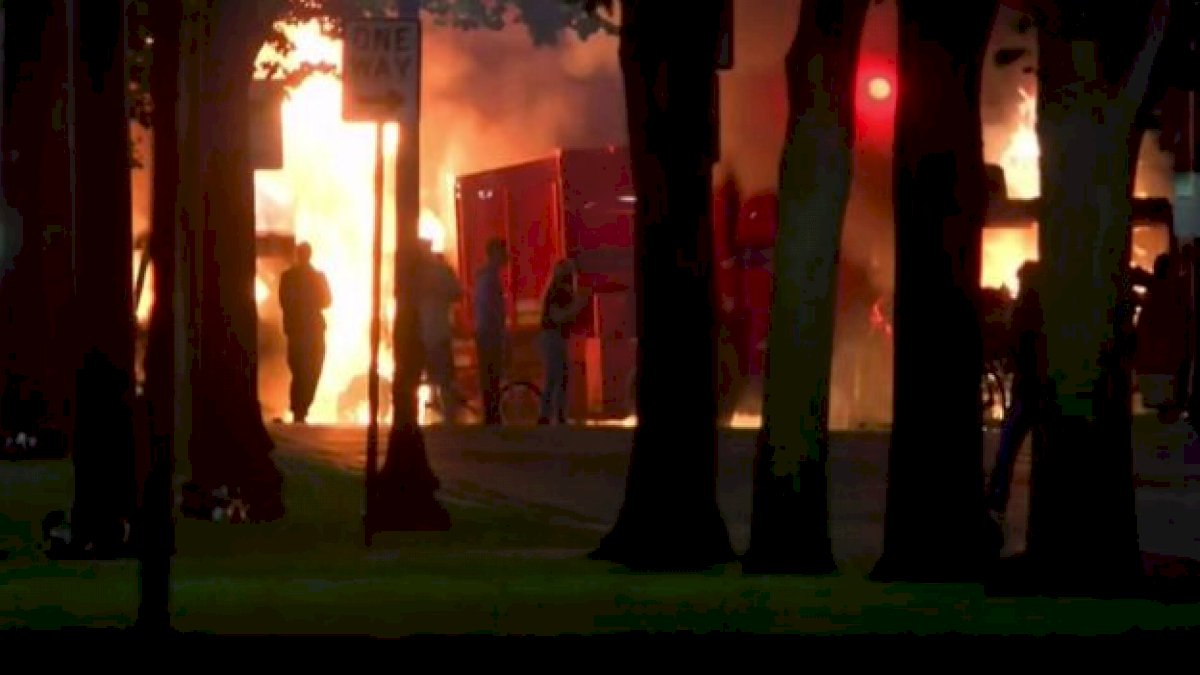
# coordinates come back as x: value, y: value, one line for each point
x: 503, y: 569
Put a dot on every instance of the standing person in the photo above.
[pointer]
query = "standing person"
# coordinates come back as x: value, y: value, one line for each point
x: 1161, y: 359
x: 560, y: 306
x: 439, y: 290
x: 303, y: 296
x: 1028, y: 390
x: 490, y: 330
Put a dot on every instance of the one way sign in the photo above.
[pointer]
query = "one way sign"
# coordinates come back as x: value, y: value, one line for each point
x: 381, y: 71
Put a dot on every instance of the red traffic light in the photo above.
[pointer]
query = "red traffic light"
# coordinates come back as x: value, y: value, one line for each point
x: 879, y: 88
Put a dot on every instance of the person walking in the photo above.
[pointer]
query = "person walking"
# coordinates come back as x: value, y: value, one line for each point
x: 1024, y: 414
x: 303, y: 297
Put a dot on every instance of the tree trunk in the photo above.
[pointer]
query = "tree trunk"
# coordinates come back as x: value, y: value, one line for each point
x: 670, y: 519
x: 403, y: 498
x: 189, y: 268
x: 104, y: 453
x: 732, y: 374
x: 936, y: 526
x: 158, y: 501
x: 1083, y: 526
x: 37, y: 290
x: 790, y: 524
x: 230, y: 445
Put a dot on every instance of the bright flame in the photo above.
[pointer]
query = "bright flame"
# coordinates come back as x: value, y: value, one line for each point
x: 261, y: 290
x: 424, y: 396
x: 1020, y: 157
x: 745, y: 421
x: 328, y: 177
x: 146, y: 301
x: 431, y: 229
x: 1005, y: 249
x: 739, y: 420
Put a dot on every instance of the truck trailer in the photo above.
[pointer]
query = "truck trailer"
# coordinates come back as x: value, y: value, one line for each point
x: 579, y: 203
x: 576, y: 203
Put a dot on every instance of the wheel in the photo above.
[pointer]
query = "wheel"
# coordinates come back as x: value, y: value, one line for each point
x: 520, y: 403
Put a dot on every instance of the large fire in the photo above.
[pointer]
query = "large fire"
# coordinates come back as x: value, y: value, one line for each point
x: 1021, y: 154
x: 1005, y: 249
x: 327, y: 185
x: 324, y: 195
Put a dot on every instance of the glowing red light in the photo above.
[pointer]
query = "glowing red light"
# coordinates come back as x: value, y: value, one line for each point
x: 879, y: 88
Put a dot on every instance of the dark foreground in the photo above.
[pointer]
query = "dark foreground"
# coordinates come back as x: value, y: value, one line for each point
x: 527, y: 505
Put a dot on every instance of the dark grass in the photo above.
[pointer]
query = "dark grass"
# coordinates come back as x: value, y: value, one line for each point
x: 506, y: 568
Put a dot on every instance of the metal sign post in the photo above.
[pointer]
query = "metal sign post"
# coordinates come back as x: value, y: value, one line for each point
x: 373, y: 373
x: 408, y: 196
x: 380, y: 83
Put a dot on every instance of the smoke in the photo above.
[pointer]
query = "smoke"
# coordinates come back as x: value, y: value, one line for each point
x: 754, y: 93
x: 491, y: 99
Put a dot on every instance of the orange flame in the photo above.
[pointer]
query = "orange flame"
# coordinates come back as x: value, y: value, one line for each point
x: 1023, y: 152
x: 328, y: 180
x: 1006, y: 249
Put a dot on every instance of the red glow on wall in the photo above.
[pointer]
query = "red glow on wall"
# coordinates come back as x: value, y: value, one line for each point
x: 875, y: 98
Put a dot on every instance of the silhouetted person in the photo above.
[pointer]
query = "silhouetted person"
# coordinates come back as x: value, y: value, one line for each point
x: 439, y: 290
x: 1029, y: 393
x: 490, y: 330
x: 560, y: 306
x: 1161, y: 358
x: 303, y: 295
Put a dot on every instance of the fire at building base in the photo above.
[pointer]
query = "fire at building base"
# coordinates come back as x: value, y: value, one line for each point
x: 578, y: 203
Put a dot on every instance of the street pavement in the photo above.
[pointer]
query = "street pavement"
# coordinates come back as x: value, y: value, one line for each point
x: 578, y: 474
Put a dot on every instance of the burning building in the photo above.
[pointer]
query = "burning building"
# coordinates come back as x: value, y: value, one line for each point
x: 475, y: 116
x: 480, y: 116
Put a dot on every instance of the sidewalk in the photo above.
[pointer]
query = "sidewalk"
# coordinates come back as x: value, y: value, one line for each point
x: 581, y: 471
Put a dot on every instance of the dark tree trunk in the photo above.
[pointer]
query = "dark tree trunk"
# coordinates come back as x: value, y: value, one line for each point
x: 230, y: 444
x: 1083, y: 534
x: 670, y: 519
x: 158, y: 501
x: 37, y: 291
x: 936, y: 527
x: 403, y: 497
x: 104, y: 453
x: 790, y: 525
